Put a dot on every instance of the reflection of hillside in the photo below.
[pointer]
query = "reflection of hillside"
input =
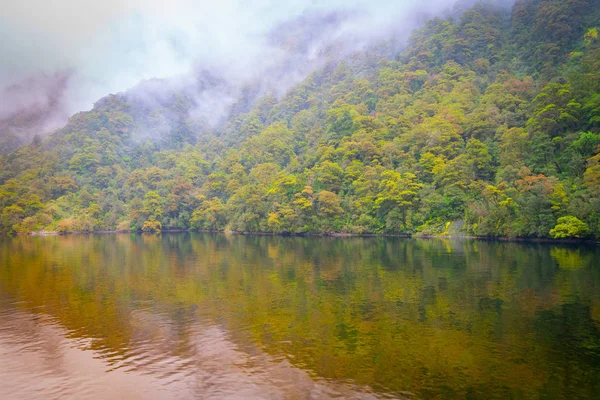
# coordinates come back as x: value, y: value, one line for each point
x: 39, y: 361
x: 424, y: 316
x: 39, y: 358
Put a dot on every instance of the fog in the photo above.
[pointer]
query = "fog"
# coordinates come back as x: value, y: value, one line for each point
x: 62, y: 56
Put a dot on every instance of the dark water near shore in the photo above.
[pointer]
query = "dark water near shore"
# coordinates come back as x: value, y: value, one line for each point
x: 212, y: 316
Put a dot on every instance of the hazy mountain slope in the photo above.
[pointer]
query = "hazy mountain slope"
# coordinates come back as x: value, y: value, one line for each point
x: 31, y: 108
x: 475, y: 128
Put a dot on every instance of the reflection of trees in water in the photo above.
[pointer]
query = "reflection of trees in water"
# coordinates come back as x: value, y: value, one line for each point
x: 445, y: 318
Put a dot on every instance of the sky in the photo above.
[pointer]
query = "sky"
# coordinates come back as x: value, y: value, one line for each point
x: 111, y: 45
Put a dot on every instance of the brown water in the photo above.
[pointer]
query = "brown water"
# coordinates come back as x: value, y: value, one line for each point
x: 183, y: 316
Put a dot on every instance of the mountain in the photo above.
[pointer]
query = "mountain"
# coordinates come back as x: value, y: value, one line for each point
x: 487, y: 124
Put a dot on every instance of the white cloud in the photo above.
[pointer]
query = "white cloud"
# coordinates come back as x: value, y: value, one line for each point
x: 111, y: 45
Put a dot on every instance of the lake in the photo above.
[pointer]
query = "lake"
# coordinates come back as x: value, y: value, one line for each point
x: 192, y: 315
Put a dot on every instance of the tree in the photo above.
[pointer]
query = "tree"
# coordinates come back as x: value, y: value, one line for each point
x: 153, y: 204
x: 555, y: 110
x: 478, y: 159
x: 210, y: 214
x: 328, y: 209
x: 11, y: 215
x: 592, y: 175
x: 151, y: 225
x: 569, y: 227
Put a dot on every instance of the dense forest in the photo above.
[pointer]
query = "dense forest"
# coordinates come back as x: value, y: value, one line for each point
x: 487, y: 124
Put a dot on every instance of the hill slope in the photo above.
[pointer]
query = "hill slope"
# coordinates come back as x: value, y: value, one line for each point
x: 488, y: 125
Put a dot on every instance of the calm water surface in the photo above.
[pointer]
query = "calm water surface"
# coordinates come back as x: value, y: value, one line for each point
x: 212, y: 316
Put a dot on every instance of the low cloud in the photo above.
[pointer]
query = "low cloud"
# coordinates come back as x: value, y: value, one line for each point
x: 78, y: 51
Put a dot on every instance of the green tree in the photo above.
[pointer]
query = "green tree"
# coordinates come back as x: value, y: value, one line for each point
x: 569, y: 227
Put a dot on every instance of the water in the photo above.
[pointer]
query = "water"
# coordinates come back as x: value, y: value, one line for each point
x: 212, y: 316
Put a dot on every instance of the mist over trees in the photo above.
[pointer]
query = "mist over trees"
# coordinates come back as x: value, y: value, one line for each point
x: 487, y: 124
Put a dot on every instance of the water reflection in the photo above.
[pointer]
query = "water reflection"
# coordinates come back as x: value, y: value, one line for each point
x: 213, y: 316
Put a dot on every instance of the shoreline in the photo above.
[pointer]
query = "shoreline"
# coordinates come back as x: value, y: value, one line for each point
x: 324, y: 235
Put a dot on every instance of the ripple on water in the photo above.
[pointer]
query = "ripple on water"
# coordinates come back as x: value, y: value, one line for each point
x: 42, y: 360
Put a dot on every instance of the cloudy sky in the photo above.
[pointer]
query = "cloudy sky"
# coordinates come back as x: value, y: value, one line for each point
x: 111, y: 45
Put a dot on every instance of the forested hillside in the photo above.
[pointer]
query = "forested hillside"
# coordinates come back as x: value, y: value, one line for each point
x: 485, y: 125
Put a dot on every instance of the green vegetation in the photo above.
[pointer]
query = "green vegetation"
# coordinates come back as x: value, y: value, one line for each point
x: 488, y: 125
x: 569, y: 227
